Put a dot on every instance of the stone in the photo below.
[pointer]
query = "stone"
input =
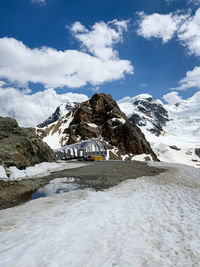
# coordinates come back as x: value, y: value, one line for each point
x: 21, y: 147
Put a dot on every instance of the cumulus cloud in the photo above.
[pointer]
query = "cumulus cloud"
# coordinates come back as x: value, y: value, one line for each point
x: 191, y: 80
x: 189, y: 33
x: 161, y: 26
x: 187, y: 30
x: 31, y: 109
x: 100, y: 39
x: 96, y: 63
x: 172, y: 98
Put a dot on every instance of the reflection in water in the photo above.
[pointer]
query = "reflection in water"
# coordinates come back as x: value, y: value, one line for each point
x: 56, y: 186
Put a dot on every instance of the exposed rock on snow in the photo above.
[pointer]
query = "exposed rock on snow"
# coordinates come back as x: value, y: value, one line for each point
x: 99, y: 117
x: 21, y: 147
x: 175, y: 148
x: 197, y: 152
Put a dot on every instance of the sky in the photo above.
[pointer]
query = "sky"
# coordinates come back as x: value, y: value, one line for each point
x: 53, y: 51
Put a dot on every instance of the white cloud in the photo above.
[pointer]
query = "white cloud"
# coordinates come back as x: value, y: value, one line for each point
x: 100, y: 39
x: 31, y: 109
x: 172, y: 98
x: 70, y: 68
x: 189, y: 33
x: 157, y: 25
x: 191, y: 80
x: 186, y: 27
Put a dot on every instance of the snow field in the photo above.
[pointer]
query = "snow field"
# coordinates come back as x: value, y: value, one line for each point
x: 149, y: 221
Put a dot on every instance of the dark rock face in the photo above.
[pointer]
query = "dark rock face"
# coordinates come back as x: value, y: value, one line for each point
x: 100, y: 117
x: 58, y: 114
x: 197, y: 152
x: 21, y: 147
x: 150, y: 110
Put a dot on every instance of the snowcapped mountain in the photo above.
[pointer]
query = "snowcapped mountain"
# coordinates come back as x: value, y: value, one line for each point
x: 61, y: 111
x: 145, y: 111
x: 172, y: 129
x: 100, y: 117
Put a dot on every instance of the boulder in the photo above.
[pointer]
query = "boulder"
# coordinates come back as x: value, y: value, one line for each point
x: 21, y: 147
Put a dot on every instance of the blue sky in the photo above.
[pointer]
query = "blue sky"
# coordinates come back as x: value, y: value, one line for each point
x: 138, y: 59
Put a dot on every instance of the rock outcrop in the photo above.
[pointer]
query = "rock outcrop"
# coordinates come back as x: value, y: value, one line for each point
x: 100, y: 117
x: 21, y: 147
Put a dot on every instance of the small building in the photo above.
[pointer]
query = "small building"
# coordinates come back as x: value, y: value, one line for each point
x: 82, y: 150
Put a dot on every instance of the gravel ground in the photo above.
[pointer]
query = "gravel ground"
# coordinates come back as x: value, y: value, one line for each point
x: 97, y: 175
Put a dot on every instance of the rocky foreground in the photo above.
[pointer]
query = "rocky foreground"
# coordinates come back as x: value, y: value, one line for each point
x: 21, y: 147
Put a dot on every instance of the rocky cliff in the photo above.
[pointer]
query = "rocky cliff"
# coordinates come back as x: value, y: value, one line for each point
x: 100, y: 117
x: 21, y: 147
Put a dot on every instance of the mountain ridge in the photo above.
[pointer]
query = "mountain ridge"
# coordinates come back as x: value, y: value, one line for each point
x: 101, y: 118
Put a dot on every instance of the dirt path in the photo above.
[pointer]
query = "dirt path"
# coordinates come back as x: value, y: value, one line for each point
x: 98, y: 175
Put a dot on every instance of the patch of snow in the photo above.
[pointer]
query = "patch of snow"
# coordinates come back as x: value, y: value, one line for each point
x: 161, y: 146
x: 123, y: 157
x: 149, y: 221
x: 119, y: 119
x: 142, y: 157
x: 92, y: 125
x: 39, y: 170
x: 54, y: 138
x: 3, y: 173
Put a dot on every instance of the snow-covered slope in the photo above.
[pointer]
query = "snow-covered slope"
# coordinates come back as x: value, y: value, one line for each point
x: 149, y: 221
x: 145, y: 111
x: 173, y: 130
x: 61, y: 111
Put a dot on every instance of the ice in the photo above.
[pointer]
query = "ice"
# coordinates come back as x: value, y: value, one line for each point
x: 38, y: 170
x: 149, y: 221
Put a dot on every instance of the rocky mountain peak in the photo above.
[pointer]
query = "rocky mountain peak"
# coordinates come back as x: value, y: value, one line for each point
x: 100, y: 117
x: 145, y: 111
